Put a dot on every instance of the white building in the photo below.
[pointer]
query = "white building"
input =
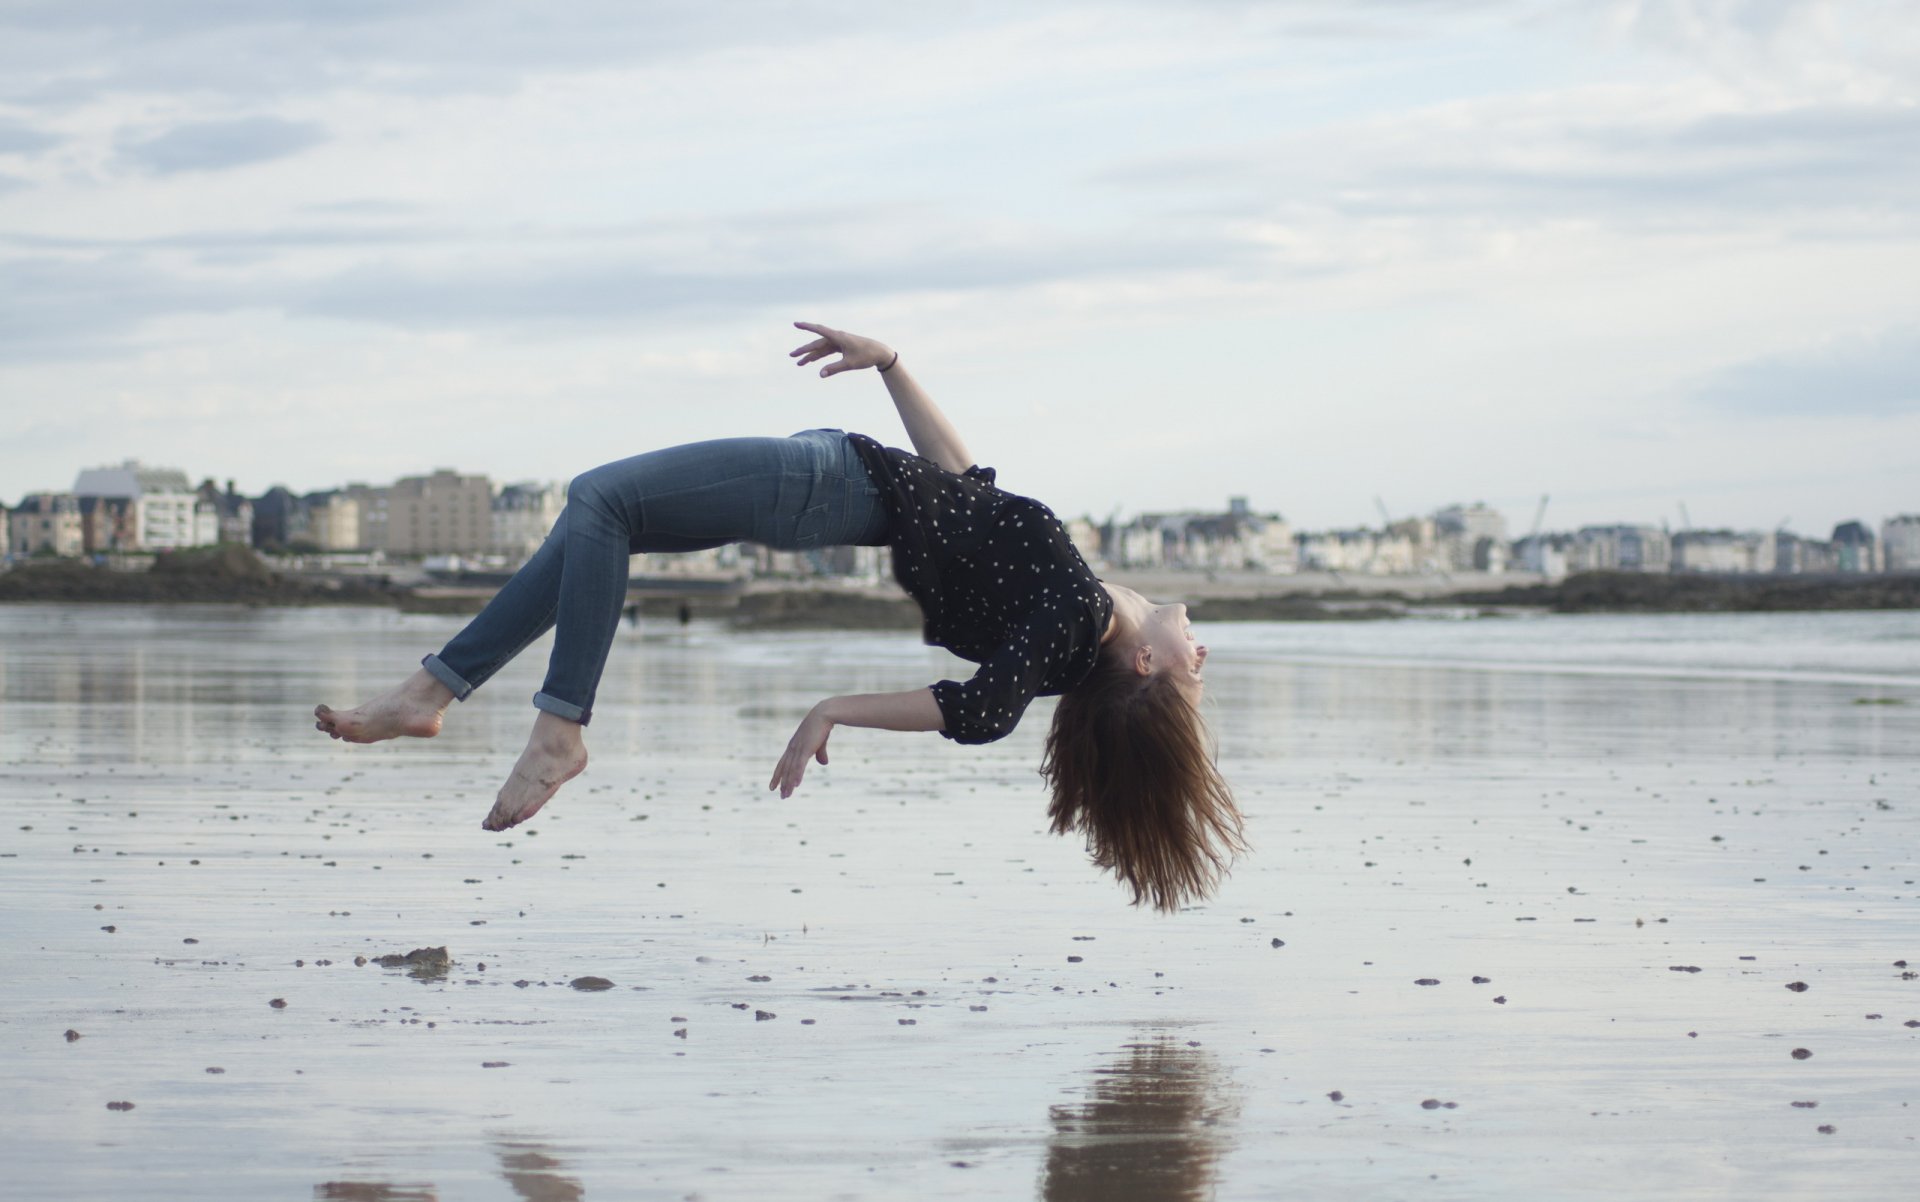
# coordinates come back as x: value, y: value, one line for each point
x: 1900, y: 543
x: 523, y: 514
x: 1620, y: 549
x: 1471, y: 537
x: 166, y: 511
x: 1725, y: 551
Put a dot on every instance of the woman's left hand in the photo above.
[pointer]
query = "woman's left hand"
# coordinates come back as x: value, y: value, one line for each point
x: 809, y: 742
x: 855, y: 352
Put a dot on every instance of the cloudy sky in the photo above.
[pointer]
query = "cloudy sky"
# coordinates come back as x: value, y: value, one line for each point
x: 1630, y: 254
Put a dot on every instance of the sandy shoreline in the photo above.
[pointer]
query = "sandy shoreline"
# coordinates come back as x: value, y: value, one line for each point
x: 956, y: 1006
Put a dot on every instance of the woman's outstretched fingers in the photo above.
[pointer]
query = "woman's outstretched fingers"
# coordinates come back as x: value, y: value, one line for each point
x: 808, y: 742
x: 855, y: 352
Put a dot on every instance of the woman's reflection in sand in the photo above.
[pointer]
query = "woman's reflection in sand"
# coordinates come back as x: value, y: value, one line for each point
x: 527, y: 1167
x: 534, y: 1174
x: 1152, y: 1129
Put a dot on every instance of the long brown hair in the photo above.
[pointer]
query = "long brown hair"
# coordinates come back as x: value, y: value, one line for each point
x: 1131, y: 767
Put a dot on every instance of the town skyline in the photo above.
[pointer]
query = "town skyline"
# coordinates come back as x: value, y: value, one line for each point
x: 134, y: 507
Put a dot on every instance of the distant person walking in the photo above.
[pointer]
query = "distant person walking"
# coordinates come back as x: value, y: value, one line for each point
x: 998, y: 582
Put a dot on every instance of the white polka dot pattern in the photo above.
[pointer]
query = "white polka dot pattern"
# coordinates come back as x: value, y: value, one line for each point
x: 998, y: 582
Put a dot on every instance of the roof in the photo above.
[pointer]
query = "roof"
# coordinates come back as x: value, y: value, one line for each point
x: 130, y: 479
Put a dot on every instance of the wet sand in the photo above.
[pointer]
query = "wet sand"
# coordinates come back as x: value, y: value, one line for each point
x: 894, y: 985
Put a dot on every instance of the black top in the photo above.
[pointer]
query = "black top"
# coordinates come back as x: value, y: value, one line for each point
x: 998, y: 582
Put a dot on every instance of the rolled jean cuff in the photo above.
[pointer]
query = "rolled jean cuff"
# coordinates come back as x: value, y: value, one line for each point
x: 548, y: 703
x: 447, y: 676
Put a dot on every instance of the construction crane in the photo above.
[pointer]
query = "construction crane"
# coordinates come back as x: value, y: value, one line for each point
x: 1686, y: 523
x: 1537, y: 553
x: 1386, y: 519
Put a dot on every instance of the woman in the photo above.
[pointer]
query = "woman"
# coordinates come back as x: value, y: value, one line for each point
x: 997, y: 580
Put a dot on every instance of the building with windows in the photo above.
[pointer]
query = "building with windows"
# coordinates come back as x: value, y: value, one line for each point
x: 1725, y: 551
x: 331, y: 521
x: 442, y: 514
x: 1620, y: 549
x: 233, y: 513
x: 523, y: 514
x: 46, y: 523
x: 1471, y: 537
x: 1854, y: 548
x: 138, y: 508
x: 1900, y: 543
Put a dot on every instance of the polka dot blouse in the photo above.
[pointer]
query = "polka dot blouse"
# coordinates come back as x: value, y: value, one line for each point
x: 998, y: 582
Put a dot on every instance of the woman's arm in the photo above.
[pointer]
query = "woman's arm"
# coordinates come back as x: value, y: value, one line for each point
x: 932, y: 435
x: 912, y: 710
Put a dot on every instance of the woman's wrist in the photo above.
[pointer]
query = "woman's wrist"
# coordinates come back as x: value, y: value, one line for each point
x: 888, y: 365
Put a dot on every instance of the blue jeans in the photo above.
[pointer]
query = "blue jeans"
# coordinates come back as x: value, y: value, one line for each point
x: 809, y: 490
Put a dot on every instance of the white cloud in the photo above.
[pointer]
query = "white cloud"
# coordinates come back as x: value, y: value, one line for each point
x: 217, y: 145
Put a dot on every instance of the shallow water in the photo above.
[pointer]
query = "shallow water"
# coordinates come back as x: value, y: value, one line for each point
x: 894, y: 985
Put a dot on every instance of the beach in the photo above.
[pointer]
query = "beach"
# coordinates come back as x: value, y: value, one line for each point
x: 1551, y: 907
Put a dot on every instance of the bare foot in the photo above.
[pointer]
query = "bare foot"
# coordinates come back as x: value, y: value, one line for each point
x: 415, y: 708
x: 555, y: 754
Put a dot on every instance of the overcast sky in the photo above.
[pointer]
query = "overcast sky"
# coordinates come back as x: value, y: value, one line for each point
x: 1146, y: 255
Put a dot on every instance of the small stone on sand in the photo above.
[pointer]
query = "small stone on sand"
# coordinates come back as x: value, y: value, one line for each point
x: 590, y: 984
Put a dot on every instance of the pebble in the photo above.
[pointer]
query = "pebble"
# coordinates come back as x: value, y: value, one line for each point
x: 278, y: 1003
x: 590, y: 984
x: 1428, y: 981
x: 214, y: 1070
x: 1335, y: 1095
x: 119, y: 1105
x: 1801, y: 1053
x: 72, y: 1035
x: 761, y: 1016
x: 1797, y: 986
x: 494, y: 1063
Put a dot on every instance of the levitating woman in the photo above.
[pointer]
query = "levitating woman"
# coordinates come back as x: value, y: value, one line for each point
x: 997, y: 580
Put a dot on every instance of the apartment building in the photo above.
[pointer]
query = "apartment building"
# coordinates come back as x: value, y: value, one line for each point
x: 134, y: 507
x: 1900, y: 543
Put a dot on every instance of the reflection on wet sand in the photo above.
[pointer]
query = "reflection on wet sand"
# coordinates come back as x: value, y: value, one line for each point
x: 1152, y: 1129
x: 528, y: 1167
x: 374, y: 1191
x: 531, y: 1172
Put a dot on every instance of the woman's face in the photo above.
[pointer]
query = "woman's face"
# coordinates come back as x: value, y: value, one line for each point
x: 1167, y: 636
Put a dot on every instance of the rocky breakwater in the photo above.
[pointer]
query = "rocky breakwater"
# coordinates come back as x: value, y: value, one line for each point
x: 1637, y: 592
x: 226, y: 574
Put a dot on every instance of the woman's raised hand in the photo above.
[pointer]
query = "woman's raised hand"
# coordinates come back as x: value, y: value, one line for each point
x: 855, y: 352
